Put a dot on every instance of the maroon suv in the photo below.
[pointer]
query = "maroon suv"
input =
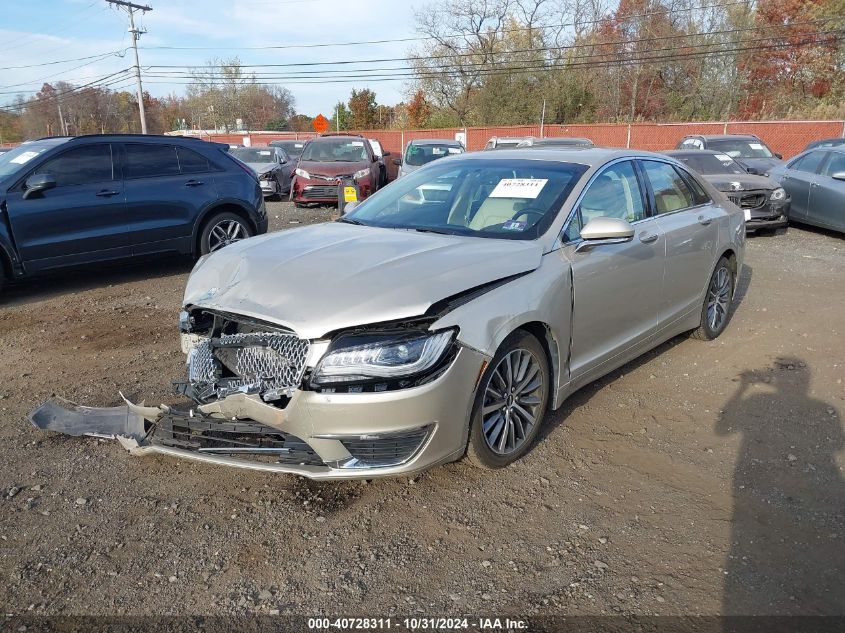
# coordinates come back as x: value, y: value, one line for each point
x: 329, y: 158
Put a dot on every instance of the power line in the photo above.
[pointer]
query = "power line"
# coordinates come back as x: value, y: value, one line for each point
x: 118, y: 53
x: 453, y: 35
x: 619, y: 61
x: 13, y: 43
x: 200, y: 69
x: 97, y: 83
x: 212, y: 74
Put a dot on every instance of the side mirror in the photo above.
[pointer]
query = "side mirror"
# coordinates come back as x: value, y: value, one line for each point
x: 839, y: 175
x: 778, y: 156
x: 38, y: 182
x: 605, y: 230
x: 397, y: 161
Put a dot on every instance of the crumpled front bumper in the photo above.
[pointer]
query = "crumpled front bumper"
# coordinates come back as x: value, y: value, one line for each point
x: 317, y: 435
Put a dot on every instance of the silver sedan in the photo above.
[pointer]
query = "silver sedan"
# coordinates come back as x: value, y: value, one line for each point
x: 441, y: 318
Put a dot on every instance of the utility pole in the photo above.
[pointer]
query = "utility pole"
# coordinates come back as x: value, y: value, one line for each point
x: 62, y: 125
x: 543, y: 120
x: 136, y: 34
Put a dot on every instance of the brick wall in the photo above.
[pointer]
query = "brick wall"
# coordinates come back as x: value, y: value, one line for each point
x: 785, y: 137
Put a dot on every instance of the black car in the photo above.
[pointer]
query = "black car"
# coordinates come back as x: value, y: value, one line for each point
x: 825, y: 142
x: 89, y: 199
x: 747, y: 149
x: 764, y: 201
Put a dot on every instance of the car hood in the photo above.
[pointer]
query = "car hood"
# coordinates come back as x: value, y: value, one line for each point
x: 331, y: 169
x: 325, y: 277
x: 762, y: 164
x: 740, y: 182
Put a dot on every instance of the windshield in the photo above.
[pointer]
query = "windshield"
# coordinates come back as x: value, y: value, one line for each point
x: 740, y: 148
x: 507, y: 143
x: 417, y: 155
x: 335, y: 150
x: 16, y: 158
x: 514, y: 199
x: 293, y: 148
x: 712, y: 164
x: 253, y: 154
x: 563, y: 142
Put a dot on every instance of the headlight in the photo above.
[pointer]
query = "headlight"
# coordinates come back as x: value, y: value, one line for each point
x: 369, y: 357
x: 302, y: 173
x: 267, y: 175
x: 778, y: 194
x: 361, y: 173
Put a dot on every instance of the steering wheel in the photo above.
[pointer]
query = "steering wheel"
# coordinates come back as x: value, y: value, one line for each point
x: 529, y: 211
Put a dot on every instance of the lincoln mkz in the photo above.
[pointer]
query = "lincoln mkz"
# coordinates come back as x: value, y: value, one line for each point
x: 441, y: 318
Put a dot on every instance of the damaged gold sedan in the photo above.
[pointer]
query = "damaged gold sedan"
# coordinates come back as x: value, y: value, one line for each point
x: 440, y: 318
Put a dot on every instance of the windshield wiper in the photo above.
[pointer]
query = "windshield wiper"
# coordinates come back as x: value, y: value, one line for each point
x: 350, y: 221
x: 424, y: 229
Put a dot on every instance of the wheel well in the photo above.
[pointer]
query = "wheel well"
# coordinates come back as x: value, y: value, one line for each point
x: 731, y: 257
x: 5, y: 265
x: 223, y: 208
x: 543, y: 333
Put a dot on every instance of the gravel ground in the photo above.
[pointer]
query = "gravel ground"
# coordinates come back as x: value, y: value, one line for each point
x: 703, y: 478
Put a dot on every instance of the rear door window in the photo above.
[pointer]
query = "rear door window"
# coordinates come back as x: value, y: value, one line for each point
x: 671, y: 192
x: 150, y: 160
x: 81, y: 165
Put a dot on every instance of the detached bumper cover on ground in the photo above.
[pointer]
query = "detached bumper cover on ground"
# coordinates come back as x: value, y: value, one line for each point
x: 317, y: 435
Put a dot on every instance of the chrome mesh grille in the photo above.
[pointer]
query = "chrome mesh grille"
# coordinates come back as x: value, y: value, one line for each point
x: 267, y: 361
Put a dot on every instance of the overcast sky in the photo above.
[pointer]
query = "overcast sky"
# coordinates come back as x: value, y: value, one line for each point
x: 34, y: 32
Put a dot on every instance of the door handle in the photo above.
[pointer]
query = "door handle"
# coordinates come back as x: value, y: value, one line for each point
x: 193, y: 183
x: 704, y: 220
x: 105, y: 193
x: 648, y: 238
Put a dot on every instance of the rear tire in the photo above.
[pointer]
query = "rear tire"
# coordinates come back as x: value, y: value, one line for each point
x: 718, y: 299
x: 512, y: 398
x: 222, y: 229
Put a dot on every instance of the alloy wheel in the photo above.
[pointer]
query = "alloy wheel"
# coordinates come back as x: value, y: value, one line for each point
x: 718, y: 298
x: 225, y: 232
x: 512, y: 401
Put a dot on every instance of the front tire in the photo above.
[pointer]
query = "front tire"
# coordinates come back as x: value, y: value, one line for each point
x: 221, y: 230
x: 512, y: 399
x: 716, y: 311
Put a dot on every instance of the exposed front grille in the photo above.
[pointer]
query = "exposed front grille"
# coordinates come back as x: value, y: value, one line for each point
x: 320, y: 191
x: 749, y: 199
x: 234, y: 438
x: 386, y: 451
x: 266, y: 362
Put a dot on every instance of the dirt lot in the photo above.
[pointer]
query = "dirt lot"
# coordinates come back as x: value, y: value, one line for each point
x: 704, y: 478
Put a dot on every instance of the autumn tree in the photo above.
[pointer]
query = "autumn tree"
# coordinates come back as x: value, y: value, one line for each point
x: 418, y: 111
x: 362, y: 109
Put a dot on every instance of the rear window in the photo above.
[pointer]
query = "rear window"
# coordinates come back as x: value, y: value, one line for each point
x: 417, y: 155
x: 148, y: 161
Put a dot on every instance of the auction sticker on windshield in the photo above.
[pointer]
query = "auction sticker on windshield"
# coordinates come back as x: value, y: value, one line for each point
x: 528, y: 188
x: 23, y: 158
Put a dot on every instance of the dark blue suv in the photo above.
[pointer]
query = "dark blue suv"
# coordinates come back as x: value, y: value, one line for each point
x: 79, y: 200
